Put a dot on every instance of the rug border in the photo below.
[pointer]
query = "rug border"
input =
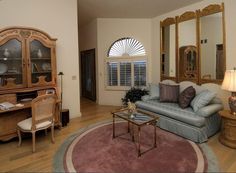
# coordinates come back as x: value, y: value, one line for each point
x: 58, y: 159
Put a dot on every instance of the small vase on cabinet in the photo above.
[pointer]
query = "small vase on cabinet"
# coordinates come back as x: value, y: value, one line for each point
x: 6, y: 53
x: 39, y: 54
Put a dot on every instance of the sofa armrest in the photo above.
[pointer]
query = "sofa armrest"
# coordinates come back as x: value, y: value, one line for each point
x: 148, y: 97
x: 208, y: 110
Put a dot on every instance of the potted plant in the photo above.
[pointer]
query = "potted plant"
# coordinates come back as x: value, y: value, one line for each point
x: 133, y: 95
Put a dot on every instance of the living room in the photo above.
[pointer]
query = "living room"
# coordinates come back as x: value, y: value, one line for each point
x: 60, y: 19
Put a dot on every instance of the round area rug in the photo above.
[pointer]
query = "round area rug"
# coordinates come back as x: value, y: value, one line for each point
x: 92, y: 150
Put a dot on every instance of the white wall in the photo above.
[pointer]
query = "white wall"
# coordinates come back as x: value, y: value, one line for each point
x: 59, y: 19
x: 110, y: 30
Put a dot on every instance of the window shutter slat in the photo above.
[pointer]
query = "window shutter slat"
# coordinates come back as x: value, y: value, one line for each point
x: 112, y: 74
x: 140, y: 73
x: 125, y: 74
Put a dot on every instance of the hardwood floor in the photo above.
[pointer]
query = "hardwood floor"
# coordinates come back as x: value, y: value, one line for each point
x: 21, y: 159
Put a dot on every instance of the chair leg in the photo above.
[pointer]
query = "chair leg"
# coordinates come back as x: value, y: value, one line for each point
x: 52, y: 133
x: 33, y: 141
x: 19, y: 136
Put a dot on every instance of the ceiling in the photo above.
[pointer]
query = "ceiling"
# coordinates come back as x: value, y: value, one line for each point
x: 92, y: 9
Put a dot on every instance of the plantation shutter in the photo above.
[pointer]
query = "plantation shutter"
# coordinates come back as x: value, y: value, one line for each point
x: 140, y: 73
x: 112, y: 74
x: 125, y: 74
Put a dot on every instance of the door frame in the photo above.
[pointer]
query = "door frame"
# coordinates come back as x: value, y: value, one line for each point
x: 94, y: 88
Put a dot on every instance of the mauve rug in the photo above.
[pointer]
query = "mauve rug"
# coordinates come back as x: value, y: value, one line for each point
x: 92, y: 150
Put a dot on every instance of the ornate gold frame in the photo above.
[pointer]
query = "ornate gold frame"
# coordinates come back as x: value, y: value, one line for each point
x: 189, y: 15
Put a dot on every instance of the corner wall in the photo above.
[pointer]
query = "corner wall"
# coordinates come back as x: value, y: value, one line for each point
x: 88, y: 40
x: 58, y: 18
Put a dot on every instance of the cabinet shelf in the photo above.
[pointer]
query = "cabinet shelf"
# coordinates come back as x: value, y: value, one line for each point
x: 37, y: 59
x: 10, y: 59
x: 42, y: 72
x: 10, y: 74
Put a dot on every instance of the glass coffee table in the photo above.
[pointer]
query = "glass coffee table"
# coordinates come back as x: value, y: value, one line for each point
x: 139, y: 119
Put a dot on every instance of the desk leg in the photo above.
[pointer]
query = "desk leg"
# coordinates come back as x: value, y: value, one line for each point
x: 113, y: 136
x: 155, y: 134
x: 128, y: 127
x: 132, y: 132
x: 139, y: 136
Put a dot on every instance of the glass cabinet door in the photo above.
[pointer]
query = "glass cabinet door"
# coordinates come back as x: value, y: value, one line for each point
x: 41, y: 65
x: 11, y: 64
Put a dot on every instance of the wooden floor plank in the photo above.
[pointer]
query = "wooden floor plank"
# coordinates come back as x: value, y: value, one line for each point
x: 21, y: 159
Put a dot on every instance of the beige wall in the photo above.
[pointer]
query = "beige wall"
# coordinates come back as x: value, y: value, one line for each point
x: 88, y: 40
x: 187, y: 33
x: 212, y: 31
x: 110, y: 30
x: 59, y: 19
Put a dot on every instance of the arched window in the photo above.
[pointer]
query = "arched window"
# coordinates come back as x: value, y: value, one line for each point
x: 126, y: 64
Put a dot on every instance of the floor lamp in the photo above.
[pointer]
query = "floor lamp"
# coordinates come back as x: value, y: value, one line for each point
x: 61, y: 76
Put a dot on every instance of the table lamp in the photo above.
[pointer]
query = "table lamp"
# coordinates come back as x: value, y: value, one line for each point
x: 229, y: 84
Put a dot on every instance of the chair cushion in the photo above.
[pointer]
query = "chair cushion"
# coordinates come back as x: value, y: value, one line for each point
x: 169, y: 93
x: 202, y: 99
x: 173, y: 111
x: 186, y: 97
x: 27, y: 124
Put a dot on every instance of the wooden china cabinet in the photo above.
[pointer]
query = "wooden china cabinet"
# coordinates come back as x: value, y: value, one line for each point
x: 27, y: 69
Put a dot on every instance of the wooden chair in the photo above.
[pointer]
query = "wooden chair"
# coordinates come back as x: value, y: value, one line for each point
x: 43, y: 109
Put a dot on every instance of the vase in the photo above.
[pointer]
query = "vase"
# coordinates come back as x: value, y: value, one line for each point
x: 39, y: 54
x: 6, y: 53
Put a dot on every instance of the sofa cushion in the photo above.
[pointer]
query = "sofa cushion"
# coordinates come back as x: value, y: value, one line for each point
x: 172, y: 110
x: 202, y: 99
x: 154, y: 92
x: 186, y: 97
x: 169, y: 93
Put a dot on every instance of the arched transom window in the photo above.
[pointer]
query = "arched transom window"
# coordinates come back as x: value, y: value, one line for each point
x: 126, y: 64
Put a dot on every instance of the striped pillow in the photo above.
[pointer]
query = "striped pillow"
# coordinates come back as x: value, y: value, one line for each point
x: 169, y: 93
x: 202, y: 99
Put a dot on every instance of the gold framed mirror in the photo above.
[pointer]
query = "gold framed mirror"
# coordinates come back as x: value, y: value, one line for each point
x: 212, y: 44
x: 168, y: 49
x: 187, y: 47
x: 193, y: 46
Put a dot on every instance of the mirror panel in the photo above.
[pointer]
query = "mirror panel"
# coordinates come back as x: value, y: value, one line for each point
x: 193, y: 46
x: 212, y: 53
x: 168, y: 53
x: 187, y: 43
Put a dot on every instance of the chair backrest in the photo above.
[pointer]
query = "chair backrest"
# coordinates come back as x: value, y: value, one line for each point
x: 43, y: 109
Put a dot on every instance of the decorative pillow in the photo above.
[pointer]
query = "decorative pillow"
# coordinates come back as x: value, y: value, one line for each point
x: 216, y: 100
x: 154, y: 91
x: 202, y: 99
x: 169, y: 93
x: 186, y: 97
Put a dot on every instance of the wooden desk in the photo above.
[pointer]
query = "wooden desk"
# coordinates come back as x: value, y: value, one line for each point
x: 10, y: 118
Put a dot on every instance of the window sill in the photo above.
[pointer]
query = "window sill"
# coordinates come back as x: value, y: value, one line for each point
x: 117, y: 88
x: 121, y: 88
